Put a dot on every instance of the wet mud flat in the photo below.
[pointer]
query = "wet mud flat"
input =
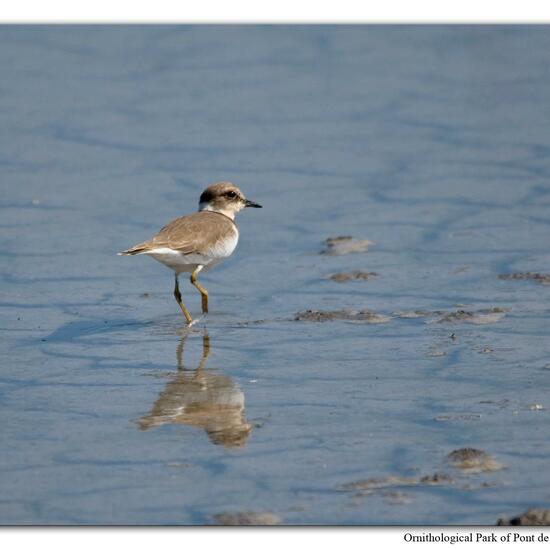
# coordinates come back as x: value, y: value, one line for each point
x: 314, y: 392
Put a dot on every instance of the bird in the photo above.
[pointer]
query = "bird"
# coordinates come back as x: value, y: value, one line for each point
x: 198, y: 241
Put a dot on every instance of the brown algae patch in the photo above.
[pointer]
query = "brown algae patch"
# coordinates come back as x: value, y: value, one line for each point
x: 247, y: 518
x: 338, y: 246
x: 533, y: 517
x: 473, y: 461
x: 352, y: 276
x: 542, y: 278
x: 317, y: 316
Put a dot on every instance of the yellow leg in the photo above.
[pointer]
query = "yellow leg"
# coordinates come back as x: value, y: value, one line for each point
x: 200, y: 288
x: 177, y: 296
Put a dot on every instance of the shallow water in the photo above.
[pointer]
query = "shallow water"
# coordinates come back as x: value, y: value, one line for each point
x: 433, y: 142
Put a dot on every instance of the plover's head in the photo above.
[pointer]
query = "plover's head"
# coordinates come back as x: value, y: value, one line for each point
x: 226, y: 198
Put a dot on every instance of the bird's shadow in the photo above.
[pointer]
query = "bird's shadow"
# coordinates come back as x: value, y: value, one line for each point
x: 73, y: 330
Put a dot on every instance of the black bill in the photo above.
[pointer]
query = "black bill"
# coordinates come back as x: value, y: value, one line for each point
x: 250, y: 204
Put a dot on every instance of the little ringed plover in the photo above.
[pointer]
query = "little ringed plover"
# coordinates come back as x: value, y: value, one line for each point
x: 199, y: 241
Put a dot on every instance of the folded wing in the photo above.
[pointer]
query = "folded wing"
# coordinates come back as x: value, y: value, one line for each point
x: 193, y: 234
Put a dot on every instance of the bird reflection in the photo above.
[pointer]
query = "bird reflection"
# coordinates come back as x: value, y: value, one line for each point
x: 204, y: 399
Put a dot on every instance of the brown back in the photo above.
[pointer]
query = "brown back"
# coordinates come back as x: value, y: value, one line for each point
x: 193, y: 234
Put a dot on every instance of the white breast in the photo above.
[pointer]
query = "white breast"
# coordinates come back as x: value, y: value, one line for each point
x: 225, y: 247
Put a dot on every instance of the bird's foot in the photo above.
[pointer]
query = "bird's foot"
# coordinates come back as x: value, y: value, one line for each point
x: 196, y: 320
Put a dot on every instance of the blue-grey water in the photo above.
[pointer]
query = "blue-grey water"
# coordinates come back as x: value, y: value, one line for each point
x: 431, y: 141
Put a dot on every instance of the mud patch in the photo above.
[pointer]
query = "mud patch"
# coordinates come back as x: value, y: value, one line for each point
x: 397, y: 497
x: 247, y: 518
x: 364, y: 315
x: 416, y: 314
x: 353, y: 276
x: 436, y: 479
x: 534, y: 516
x: 473, y: 461
x: 467, y: 460
x: 374, y: 483
x: 501, y: 403
x: 435, y: 352
x: 368, y: 486
x: 338, y: 246
x: 476, y: 317
x: 479, y: 317
x: 468, y: 417
x: 541, y: 278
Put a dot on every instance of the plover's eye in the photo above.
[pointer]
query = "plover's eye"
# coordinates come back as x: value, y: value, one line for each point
x: 231, y: 194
